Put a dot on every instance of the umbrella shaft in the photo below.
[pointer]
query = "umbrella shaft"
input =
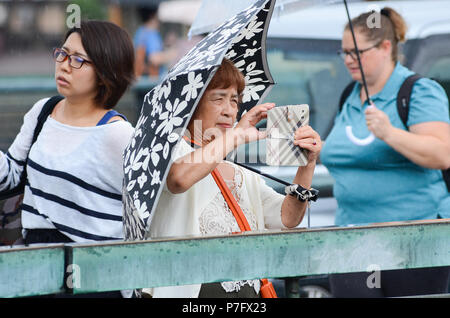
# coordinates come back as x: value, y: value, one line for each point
x: 357, y: 53
x: 263, y: 174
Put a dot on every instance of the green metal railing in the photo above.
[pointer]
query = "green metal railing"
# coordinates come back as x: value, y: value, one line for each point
x: 81, y: 268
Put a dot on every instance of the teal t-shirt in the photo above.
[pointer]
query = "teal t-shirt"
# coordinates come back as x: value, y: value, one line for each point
x: 375, y: 183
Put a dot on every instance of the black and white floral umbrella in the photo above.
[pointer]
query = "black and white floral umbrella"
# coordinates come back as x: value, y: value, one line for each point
x: 168, y: 107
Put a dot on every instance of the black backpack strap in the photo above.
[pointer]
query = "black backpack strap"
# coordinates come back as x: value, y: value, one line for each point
x: 404, y: 96
x: 345, y: 94
x: 446, y: 175
x: 403, y: 99
x: 43, y: 115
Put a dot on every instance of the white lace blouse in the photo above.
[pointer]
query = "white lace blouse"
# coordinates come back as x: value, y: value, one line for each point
x: 202, y: 210
x: 217, y: 218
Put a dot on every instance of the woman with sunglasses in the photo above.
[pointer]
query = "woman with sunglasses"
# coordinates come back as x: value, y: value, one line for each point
x: 397, y: 177
x: 74, y: 168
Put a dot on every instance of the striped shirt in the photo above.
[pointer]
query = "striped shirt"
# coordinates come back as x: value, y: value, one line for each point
x: 75, y: 177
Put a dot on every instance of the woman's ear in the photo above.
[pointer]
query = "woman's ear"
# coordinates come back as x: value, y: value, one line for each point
x: 386, y: 46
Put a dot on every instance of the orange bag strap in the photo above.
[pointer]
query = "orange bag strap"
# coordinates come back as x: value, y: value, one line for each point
x: 228, y: 196
x: 231, y: 201
x: 267, y: 290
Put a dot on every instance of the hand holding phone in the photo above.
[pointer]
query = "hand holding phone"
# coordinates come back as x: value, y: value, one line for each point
x: 282, y: 122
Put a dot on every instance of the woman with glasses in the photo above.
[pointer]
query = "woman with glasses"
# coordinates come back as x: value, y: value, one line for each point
x: 396, y: 177
x: 74, y: 168
x: 192, y: 202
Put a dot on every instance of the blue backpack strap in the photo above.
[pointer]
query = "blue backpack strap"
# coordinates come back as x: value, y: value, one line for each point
x: 110, y: 114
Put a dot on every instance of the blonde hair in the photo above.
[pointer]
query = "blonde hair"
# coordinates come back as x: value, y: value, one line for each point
x: 392, y: 27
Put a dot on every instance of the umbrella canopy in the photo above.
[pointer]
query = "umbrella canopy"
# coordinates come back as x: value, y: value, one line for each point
x: 214, y: 12
x: 207, y: 19
x: 167, y: 109
x: 178, y: 11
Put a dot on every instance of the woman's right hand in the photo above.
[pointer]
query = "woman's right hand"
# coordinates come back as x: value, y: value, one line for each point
x: 246, y: 130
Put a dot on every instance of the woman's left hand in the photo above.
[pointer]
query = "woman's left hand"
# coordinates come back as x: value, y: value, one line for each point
x: 377, y: 122
x: 307, y: 138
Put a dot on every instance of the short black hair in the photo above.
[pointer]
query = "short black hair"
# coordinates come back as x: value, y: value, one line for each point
x: 111, y: 51
x: 148, y: 12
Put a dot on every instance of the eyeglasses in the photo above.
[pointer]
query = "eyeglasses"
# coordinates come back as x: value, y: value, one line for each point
x: 343, y: 53
x: 74, y: 60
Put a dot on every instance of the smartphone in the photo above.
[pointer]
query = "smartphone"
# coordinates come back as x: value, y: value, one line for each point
x: 282, y: 122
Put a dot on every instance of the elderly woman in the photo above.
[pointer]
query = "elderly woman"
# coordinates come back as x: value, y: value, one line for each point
x: 192, y: 204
